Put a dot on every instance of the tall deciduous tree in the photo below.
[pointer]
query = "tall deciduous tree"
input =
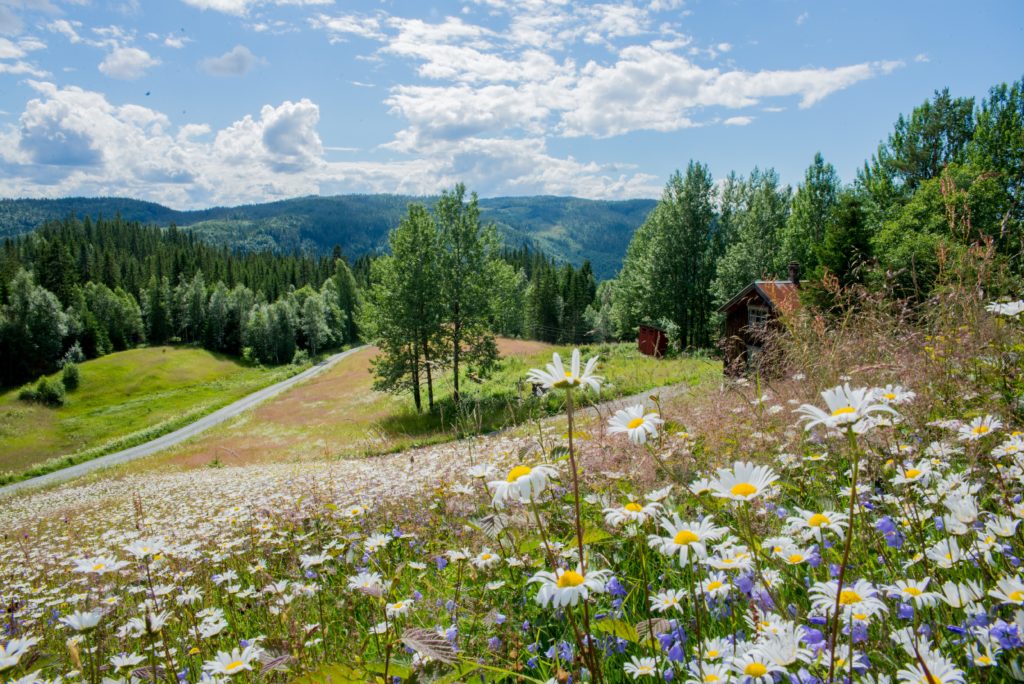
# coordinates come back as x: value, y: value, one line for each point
x: 32, y: 329
x: 465, y: 249
x: 670, y: 263
x: 403, y: 308
x: 757, y: 249
x: 813, y: 205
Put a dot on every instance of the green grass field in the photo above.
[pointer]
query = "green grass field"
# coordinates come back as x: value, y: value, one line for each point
x: 124, y: 399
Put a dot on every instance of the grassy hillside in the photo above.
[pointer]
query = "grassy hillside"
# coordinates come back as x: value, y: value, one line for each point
x: 337, y: 414
x: 125, y: 398
x: 567, y: 228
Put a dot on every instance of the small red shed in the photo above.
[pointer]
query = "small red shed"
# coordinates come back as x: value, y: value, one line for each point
x: 652, y: 341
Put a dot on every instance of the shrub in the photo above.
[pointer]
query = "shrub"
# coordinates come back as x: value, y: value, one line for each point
x: 46, y: 392
x: 71, y: 377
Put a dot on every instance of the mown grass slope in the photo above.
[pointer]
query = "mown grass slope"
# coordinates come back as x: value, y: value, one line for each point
x: 125, y: 398
x: 339, y: 415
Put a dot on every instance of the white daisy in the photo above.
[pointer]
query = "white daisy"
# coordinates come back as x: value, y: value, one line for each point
x: 565, y: 587
x: 555, y: 374
x: 636, y: 423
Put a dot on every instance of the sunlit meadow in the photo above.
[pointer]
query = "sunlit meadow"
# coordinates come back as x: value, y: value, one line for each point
x: 869, y: 532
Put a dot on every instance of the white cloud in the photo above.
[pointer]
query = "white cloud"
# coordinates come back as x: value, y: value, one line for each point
x: 739, y: 121
x: 340, y: 27
x: 922, y: 58
x: 241, y: 7
x: 72, y: 141
x: 66, y: 28
x: 802, y: 17
x: 127, y: 63
x: 237, y: 61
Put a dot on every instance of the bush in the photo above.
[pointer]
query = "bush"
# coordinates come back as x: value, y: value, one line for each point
x: 46, y: 392
x: 71, y: 377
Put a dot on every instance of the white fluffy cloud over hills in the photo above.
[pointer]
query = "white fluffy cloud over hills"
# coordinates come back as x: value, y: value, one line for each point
x: 485, y: 96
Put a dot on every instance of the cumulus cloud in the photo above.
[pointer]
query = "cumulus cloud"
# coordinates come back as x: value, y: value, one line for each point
x: 127, y: 63
x: 79, y: 142
x: 237, y: 61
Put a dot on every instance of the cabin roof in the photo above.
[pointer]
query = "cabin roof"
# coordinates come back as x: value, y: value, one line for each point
x: 781, y: 295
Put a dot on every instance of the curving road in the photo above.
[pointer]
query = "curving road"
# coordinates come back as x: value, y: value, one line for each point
x: 179, y: 435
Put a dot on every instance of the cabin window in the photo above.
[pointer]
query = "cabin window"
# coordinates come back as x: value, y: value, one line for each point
x: 757, y: 316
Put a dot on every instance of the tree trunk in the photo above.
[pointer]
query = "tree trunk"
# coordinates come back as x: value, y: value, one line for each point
x: 430, y: 379
x: 456, y: 348
x: 416, y: 377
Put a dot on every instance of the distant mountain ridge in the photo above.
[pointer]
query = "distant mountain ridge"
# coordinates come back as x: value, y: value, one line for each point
x: 567, y: 228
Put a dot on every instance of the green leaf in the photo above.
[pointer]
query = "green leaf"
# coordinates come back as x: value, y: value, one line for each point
x: 618, y: 628
x: 594, y: 535
x: 337, y: 673
x: 394, y: 669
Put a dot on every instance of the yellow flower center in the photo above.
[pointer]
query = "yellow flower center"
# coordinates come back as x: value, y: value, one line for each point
x: 712, y: 677
x: 398, y: 606
x: 232, y: 666
x: 980, y: 430
x: 860, y: 616
x: 1016, y: 596
x: 817, y: 520
x: 889, y: 395
x: 755, y: 670
x: 485, y: 556
x: 931, y: 679
x: 845, y: 410
x: 796, y: 558
x: 635, y: 423
x: 633, y: 507
x: 570, y: 578
x: 848, y: 597
x: 743, y: 489
x: 644, y: 669
x: 912, y: 591
x: 685, y: 537
x: 98, y: 567
x: 715, y: 585
x: 568, y: 374
x: 518, y: 472
x: 913, y: 472
x: 984, y: 660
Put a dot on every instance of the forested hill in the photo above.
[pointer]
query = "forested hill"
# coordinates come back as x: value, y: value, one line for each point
x: 567, y: 228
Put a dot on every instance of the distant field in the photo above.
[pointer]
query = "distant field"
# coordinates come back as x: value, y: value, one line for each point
x: 337, y: 414
x: 125, y: 398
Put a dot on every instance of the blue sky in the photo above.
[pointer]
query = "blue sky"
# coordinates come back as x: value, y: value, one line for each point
x: 194, y: 103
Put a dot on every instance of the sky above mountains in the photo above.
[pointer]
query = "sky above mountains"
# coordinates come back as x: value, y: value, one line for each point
x: 193, y: 103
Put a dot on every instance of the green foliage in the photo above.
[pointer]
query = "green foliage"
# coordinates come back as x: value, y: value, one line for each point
x: 70, y: 377
x: 46, y: 392
x: 671, y: 261
x: 466, y: 247
x: 759, y: 215
x: 32, y: 329
x: 812, y: 207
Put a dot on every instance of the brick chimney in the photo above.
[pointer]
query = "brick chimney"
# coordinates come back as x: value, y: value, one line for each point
x: 794, y: 273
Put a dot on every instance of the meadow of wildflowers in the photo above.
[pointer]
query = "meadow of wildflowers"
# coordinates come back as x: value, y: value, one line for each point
x: 863, y: 534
